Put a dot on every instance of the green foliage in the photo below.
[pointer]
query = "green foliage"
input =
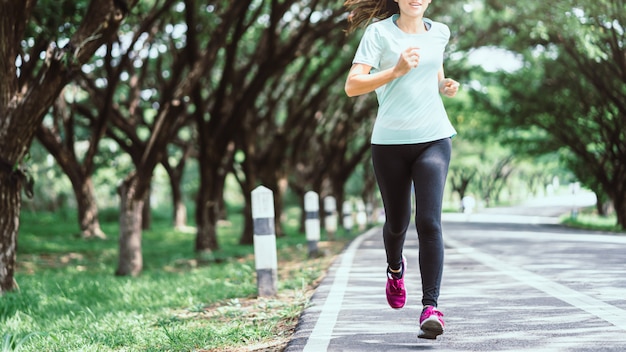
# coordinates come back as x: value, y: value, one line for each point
x: 567, y: 96
x: 520, y: 111
x: 56, y: 19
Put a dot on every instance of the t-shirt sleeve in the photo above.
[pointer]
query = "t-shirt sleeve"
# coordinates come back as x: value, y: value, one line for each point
x: 369, y: 49
x: 445, y: 32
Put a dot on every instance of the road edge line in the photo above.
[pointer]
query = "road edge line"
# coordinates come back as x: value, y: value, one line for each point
x: 327, y: 319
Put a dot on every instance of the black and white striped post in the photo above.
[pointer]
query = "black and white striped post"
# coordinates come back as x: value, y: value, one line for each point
x: 312, y: 222
x: 330, y: 217
x: 347, y: 220
x: 265, y: 258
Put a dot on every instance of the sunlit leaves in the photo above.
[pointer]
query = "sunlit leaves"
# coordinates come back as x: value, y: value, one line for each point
x: 571, y: 88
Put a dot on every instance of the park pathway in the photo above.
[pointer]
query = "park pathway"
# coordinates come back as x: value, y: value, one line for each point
x: 511, y: 283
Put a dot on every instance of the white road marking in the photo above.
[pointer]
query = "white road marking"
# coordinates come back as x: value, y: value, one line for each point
x: 322, y: 332
x: 602, y: 310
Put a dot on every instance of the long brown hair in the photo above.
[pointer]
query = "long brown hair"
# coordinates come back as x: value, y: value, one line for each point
x: 362, y: 12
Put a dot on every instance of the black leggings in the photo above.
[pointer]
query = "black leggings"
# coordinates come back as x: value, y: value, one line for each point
x: 426, y: 166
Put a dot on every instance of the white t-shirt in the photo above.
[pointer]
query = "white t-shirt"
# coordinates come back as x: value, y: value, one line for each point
x: 410, y: 109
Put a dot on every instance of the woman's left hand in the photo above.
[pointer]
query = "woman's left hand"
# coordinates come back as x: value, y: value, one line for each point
x: 448, y: 87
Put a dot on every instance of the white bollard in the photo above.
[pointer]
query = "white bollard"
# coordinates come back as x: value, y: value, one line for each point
x: 361, y: 215
x: 312, y: 222
x: 347, y: 215
x: 468, y: 203
x: 330, y: 216
x: 265, y: 257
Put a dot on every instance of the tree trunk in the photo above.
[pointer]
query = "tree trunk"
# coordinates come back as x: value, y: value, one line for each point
x: 460, y: 181
x: 87, y: 209
x: 180, y: 211
x: 56, y: 140
x: 180, y: 214
x: 247, y: 237
x: 10, y: 200
x: 300, y: 195
x: 216, y: 159
x: 279, y: 205
x: 619, y: 203
x: 338, y: 189
x: 246, y: 175
x: 207, y: 210
x: 207, y: 215
x: 131, y: 207
x: 146, y: 212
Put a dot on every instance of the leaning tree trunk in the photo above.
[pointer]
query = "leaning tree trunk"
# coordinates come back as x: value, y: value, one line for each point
x: 87, y: 209
x: 10, y: 200
x: 130, y: 256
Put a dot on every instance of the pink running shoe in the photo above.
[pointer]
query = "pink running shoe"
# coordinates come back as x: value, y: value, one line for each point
x: 396, y: 293
x: 431, y: 323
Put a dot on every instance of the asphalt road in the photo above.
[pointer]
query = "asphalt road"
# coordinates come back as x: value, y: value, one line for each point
x: 513, y: 281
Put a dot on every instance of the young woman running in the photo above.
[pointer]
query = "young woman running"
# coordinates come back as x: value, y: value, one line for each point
x: 400, y: 57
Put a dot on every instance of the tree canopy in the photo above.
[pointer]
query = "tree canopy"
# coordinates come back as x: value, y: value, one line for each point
x: 116, y: 89
x: 569, y: 95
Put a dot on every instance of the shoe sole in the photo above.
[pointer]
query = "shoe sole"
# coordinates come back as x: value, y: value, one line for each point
x: 430, y: 330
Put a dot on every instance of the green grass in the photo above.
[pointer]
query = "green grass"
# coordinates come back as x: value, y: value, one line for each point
x: 588, y: 219
x: 69, y: 299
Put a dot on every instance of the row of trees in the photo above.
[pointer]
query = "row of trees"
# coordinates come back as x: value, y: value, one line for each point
x: 570, y: 95
x: 254, y: 88
x: 567, y: 97
x: 33, y: 71
x: 244, y: 87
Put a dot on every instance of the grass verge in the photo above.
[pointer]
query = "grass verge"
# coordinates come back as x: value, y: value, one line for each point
x: 69, y: 299
x: 588, y: 219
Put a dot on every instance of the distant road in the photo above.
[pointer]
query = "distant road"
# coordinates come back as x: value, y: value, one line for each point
x: 541, y: 210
